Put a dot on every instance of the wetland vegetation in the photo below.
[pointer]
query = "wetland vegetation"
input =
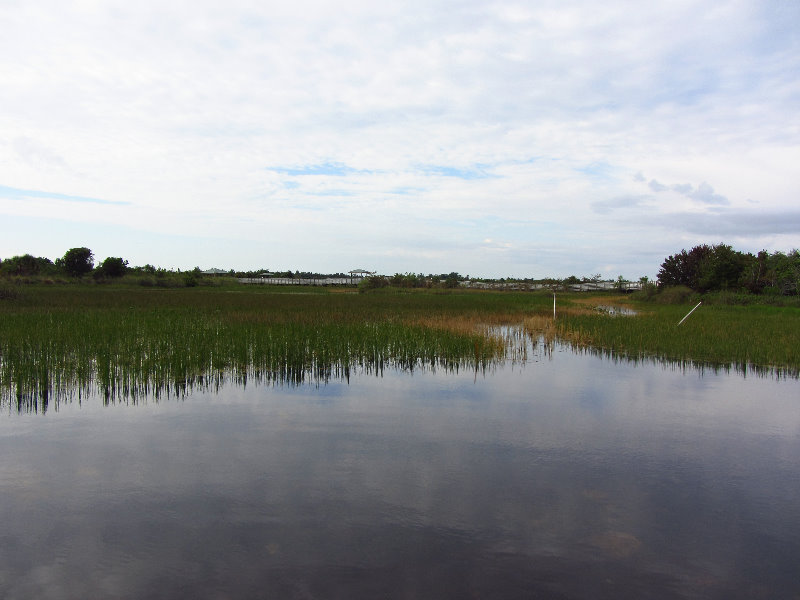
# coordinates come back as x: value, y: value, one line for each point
x: 60, y: 341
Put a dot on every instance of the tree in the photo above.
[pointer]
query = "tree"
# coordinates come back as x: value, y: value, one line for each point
x: 711, y: 268
x: 755, y: 272
x: 687, y: 268
x: 25, y: 265
x: 452, y: 280
x: 683, y: 268
x: 784, y: 272
x: 77, y: 262
x: 112, y: 267
x: 721, y: 269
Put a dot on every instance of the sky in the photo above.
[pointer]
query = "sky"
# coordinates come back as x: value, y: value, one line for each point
x: 495, y: 139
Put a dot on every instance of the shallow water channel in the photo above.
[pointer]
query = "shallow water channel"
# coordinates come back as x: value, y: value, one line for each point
x: 569, y: 477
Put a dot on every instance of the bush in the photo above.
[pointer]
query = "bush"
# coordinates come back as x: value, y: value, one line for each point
x: 170, y: 282
x: 728, y: 298
x: 675, y: 294
x: 373, y: 282
x: 648, y: 292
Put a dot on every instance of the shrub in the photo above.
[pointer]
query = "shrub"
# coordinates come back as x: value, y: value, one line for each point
x: 675, y: 294
x: 373, y: 282
x: 648, y: 292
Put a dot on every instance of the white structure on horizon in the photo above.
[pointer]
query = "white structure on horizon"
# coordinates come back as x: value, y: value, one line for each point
x: 360, y: 273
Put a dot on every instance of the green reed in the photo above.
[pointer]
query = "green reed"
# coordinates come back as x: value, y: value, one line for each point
x: 65, y: 342
x: 62, y: 342
x: 751, y: 337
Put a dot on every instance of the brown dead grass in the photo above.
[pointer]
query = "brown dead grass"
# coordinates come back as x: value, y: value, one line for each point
x: 464, y: 323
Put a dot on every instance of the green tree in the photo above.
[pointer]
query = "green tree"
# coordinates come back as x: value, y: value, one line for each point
x: 112, y: 266
x: 451, y: 280
x: 711, y: 268
x: 754, y: 275
x: 77, y: 262
x: 784, y: 272
x: 25, y: 265
x: 721, y: 269
x: 683, y: 268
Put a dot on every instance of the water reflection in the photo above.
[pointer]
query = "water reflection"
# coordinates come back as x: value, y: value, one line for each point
x: 616, y: 311
x: 568, y: 477
x: 56, y: 379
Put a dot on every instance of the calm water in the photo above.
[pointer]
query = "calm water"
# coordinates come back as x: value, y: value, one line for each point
x: 571, y: 477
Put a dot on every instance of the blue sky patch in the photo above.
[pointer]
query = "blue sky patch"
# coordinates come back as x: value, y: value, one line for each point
x: 329, y: 168
x: 20, y: 194
x: 331, y: 193
x: 476, y: 172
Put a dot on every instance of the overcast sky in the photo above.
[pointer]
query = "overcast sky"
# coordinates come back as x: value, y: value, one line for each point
x: 496, y: 139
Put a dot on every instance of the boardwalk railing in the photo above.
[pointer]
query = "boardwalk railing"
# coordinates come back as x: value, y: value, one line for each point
x: 591, y: 286
x: 301, y: 280
x: 599, y: 286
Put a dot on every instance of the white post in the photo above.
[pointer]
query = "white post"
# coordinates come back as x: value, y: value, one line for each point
x: 554, y: 305
x: 687, y: 314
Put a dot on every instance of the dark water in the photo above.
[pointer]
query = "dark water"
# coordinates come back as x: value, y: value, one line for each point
x: 570, y: 477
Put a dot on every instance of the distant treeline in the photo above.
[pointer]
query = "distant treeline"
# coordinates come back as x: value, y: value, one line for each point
x: 78, y: 263
x: 703, y: 269
x: 707, y: 268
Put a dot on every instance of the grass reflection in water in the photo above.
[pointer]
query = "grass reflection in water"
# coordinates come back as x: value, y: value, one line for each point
x: 127, y: 344
x: 57, y: 343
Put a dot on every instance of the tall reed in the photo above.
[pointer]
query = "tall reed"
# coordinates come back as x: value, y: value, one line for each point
x: 753, y: 337
x: 58, y: 343
x: 127, y: 344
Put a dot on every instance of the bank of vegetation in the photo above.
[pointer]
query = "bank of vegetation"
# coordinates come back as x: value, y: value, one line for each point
x: 128, y: 340
x: 754, y: 337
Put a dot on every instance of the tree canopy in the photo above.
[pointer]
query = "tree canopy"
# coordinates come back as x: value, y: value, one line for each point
x: 78, y: 262
x: 112, y: 266
x: 707, y: 268
x: 26, y: 265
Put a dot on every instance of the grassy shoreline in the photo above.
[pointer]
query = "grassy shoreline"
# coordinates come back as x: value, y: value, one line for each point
x: 752, y: 337
x: 126, y: 342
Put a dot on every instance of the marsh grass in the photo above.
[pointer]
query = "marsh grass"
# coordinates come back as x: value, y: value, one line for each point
x: 752, y: 338
x: 125, y: 343
x: 58, y: 344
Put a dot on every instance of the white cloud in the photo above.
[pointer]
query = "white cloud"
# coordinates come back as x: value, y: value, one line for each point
x: 449, y: 124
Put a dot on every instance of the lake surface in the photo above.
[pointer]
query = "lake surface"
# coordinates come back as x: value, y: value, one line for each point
x: 568, y: 477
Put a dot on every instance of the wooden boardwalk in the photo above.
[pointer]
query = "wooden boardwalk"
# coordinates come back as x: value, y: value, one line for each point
x: 598, y: 286
x: 346, y: 281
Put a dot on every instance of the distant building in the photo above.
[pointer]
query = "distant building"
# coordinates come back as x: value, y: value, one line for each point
x: 214, y: 272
